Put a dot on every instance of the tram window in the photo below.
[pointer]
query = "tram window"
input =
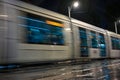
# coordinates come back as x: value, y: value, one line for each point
x: 41, y: 32
x: 83, y: 37
x: 94, y: 42
x: 115, y: 43
x: 102, y: 45
x: 83, y: 42
x: 119, y: 44
x: 56, y: 35
x: 101, y: 41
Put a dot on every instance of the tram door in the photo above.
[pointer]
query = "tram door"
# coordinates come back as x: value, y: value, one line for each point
x: 83, y: 43
x: 102, y: 45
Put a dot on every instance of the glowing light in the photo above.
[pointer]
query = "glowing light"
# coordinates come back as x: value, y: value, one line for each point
x: 3, y: 15
x: 76, y: 4
x: 67, y: 29
x: 119, y: 21
x: 54, y: 23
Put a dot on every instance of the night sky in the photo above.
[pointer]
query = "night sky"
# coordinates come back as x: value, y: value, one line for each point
x: 101, y: 13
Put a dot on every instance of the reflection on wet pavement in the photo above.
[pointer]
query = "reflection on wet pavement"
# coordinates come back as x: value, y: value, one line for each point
x: 96, y: 70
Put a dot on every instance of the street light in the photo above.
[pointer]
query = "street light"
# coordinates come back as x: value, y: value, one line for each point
x: 115, y: 27
x: 116, y: 23
x: 74, y: 4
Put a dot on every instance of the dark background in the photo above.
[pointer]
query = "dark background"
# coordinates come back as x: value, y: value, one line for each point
x: 101, y: 13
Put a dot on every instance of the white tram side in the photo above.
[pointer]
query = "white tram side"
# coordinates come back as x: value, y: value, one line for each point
x: 114, y: 44
x: 90, y: 41
x: 33, y: 34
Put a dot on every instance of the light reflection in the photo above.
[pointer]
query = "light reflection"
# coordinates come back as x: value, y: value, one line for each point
x: 67, y: 29
x: 3, y: 15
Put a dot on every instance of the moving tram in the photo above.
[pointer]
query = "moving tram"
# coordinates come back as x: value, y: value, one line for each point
x: 32, y: 34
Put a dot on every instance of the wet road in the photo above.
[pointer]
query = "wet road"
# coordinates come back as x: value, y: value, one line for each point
x: 95, y: 70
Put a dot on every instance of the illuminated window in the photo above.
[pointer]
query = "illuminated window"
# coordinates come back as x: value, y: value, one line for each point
x: 94, y: 42
x: 115, y: 43
x: 83, y: 42
x: 102, y: 45
x: 38, y: 31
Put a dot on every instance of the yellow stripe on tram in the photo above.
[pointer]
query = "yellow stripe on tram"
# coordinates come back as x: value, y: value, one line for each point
x: 54, y: 23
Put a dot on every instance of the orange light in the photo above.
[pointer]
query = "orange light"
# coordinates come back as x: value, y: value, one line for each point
x: 54, y: 23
